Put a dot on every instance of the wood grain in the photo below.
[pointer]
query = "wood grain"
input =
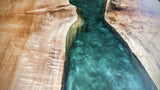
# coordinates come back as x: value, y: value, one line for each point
x: 32, y: 43
x: 139, y: 25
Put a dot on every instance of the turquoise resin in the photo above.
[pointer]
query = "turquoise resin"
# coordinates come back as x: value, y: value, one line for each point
x: 99, y: 59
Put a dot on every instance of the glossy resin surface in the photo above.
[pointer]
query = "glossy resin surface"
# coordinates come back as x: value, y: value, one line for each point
x: 99, y: 59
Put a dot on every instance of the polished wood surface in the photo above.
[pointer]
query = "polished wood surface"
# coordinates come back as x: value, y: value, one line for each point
x: 138, y: 22
x: 32, y: 43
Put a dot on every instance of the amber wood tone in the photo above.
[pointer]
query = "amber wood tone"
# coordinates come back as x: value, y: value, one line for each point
x: 32, y: 43
x: 138, y: 22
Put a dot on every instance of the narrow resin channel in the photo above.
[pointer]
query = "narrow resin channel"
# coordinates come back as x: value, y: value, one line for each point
x: 97, y: 58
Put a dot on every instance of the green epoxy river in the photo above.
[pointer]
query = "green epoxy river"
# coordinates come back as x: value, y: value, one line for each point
x: 97, y: 58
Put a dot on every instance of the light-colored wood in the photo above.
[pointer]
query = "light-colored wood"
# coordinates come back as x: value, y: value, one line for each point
x: 32, y: 43
x: 139, y: 25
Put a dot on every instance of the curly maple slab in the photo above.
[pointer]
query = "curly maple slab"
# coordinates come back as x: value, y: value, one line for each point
x: 139, y: 25
x: 32, y: 43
